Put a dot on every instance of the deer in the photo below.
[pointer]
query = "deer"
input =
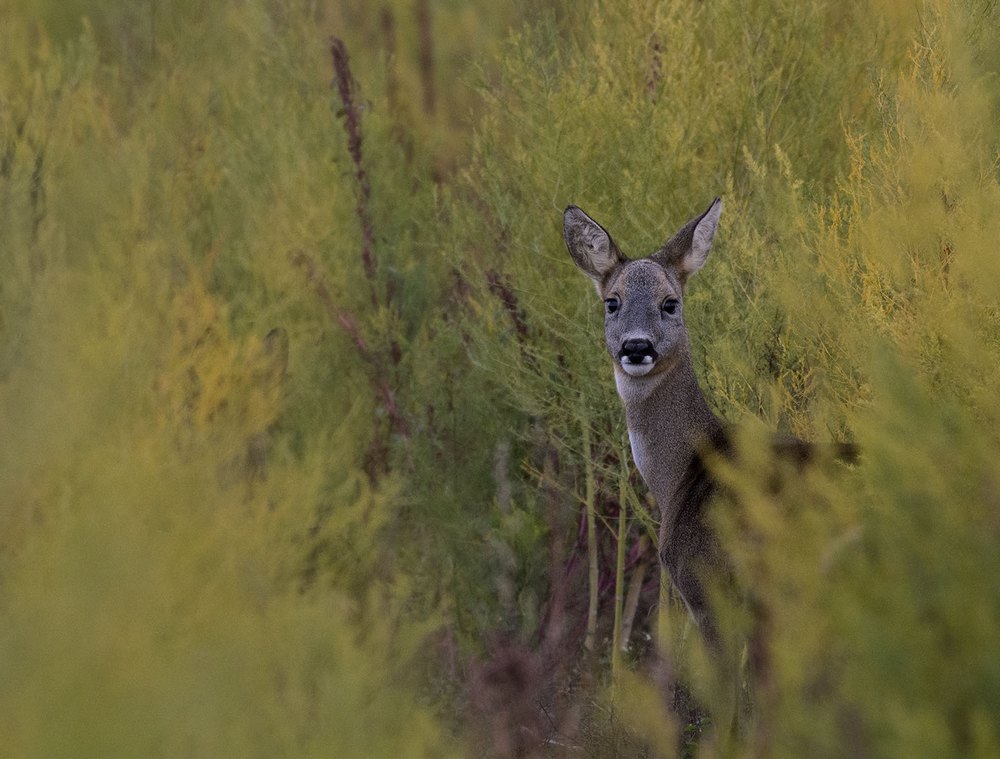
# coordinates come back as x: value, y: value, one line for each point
x: 669, y: 420
x: 672, y: 429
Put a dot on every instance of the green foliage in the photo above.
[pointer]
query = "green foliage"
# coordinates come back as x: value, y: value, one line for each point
x: 884, y: 599
x: 306, y: 409
x: 851, y: 294
x: 193, y: 559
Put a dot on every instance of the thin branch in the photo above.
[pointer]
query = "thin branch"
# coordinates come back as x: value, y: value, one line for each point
x: 343, y: 318
x: 351, y: 112
x: 594, y: 573
x: 347, y: 323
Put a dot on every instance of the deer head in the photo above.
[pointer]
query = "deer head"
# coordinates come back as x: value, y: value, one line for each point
x: 643, y: 324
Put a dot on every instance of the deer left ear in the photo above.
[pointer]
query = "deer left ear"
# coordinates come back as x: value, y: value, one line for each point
x: 688, y: 250
x: 701, y: 239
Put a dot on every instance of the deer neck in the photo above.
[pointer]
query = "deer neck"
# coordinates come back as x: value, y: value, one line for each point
x: 668, y: 418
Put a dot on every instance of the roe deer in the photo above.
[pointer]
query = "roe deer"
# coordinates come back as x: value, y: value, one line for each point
x: 669, y: 420
x: 670, y: 424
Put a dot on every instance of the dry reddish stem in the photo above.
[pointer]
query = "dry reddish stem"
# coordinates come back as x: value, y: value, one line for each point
x: 345, y: 84
x: 340, y: 316
x: 426, y: 55
x: 500, y: 287
x: 349, y: 325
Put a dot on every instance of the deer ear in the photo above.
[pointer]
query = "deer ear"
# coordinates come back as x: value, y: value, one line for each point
x: 687, y: 250
x: 590, y: 245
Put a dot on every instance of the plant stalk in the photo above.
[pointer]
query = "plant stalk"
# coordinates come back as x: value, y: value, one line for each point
x: 616, y: 637
x: 594, y: 576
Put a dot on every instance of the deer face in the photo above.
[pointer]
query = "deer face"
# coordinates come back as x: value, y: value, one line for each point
x: 643, y: 299
x: 642, y: 316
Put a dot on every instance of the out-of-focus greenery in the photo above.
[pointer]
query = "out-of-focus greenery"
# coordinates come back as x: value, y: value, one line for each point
x: 194, y: 561
x: 260, y: 497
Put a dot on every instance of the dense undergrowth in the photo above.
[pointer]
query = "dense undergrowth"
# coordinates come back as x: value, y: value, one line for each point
x: 310, y: 445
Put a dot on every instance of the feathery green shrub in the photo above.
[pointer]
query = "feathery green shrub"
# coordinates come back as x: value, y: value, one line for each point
x: 310, y: 445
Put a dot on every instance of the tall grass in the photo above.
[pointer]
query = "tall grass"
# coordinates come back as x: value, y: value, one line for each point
x: 310, y: 445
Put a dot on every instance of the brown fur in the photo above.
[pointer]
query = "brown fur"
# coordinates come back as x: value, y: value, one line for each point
x: 672, y: 430
x: 671, y: 427
x: 669, y: 420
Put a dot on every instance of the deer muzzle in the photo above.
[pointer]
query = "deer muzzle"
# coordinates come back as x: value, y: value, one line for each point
x: 637, y: 356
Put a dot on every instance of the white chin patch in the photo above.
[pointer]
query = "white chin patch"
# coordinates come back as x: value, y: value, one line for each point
x: 637, y: 370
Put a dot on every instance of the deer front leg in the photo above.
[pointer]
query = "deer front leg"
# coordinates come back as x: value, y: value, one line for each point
x: 684, y: 557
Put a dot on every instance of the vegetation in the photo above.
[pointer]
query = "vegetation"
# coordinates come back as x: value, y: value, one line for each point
x: 310, y: 445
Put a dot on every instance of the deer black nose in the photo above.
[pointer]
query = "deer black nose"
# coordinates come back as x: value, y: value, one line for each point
x: 637, y: 348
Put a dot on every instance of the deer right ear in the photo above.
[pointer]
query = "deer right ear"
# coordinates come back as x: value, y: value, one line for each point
x: 590, y: 245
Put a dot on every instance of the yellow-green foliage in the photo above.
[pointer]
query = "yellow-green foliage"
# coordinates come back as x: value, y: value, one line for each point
x: 244, y: 481
x: 192, y: 559
x: 884, y: 597
x: 852, y: 293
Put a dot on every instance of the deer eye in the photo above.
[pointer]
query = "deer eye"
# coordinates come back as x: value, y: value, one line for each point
x: 612, y: 304
x: 670, y: 305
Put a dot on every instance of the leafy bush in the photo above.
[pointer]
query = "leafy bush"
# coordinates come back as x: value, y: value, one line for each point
x: 310, y: 442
